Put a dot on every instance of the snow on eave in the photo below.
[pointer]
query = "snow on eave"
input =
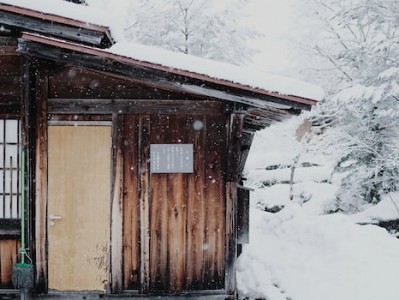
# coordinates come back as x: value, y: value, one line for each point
x: 67, y: 13
x: 109, y: 54
x: 255, y: 81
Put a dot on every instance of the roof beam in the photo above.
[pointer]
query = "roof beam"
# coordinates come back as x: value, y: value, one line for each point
x: 135, y: 106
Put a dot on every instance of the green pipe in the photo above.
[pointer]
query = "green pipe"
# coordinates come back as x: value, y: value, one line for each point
x: 22, y: 251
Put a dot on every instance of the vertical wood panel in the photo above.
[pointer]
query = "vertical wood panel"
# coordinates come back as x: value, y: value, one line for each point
x: 41, y: 184
x: 131, y: 205
x: 187, y: 238
x: 117, y: 203
x: 215, y: 209
x: 160, y: 274
x: 8, y: 254
x: 144, y: 155
x: 176, y: 216
x: 196, y: 210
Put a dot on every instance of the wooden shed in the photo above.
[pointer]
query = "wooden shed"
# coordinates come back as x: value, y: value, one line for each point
x: 131, y: 169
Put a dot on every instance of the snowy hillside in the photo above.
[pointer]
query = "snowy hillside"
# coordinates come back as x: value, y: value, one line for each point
x: 301, y: 252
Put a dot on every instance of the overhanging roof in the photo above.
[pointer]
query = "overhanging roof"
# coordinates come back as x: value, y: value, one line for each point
x: 21, y: 18
x: 53, y: 34
x: 155, y: 74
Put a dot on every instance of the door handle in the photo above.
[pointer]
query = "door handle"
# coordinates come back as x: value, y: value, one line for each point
x: 54, y: 217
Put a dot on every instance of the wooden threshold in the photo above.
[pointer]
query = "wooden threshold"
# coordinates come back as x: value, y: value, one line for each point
x: 201, y: 295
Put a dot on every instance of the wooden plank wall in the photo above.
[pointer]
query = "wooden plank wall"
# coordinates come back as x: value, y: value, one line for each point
x: 187, y: 211
x: 117, y: 204
x: 8, y: 255
x: 131, y: 246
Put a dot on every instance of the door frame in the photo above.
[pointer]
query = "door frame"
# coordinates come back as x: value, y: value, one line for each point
x: 41, y: 195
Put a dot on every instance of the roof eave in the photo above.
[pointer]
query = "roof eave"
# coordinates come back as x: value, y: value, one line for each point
x: 219, y: 88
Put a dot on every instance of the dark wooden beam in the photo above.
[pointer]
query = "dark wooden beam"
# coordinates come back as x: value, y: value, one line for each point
x: 134, y: 106
x: 10, y: 106
x: 246, y: 142
x: 8, y: 45
x: 242, y: 215
x: 10, y: 228
x: 235, y: 132
x: 79, y: 34
x: 61, y: 118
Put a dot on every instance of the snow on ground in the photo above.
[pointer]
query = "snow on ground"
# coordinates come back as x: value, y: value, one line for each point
x: 296, y: 256
x: 302, y: 253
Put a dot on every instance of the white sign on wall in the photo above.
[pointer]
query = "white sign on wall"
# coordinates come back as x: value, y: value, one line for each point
x: 171, y: 158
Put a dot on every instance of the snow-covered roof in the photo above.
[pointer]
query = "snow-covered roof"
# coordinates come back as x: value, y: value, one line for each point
x: 72, y: 11
x: 219, y: 70
x: 261, y: 82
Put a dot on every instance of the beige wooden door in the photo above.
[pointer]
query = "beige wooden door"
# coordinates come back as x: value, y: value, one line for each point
x: 79, y: 170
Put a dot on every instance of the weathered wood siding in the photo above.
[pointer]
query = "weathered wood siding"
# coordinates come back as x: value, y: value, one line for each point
x: 131, y: 246
x: 8, y: 254
x: 186, y: 211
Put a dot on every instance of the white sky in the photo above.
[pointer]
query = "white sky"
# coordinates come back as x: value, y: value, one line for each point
x: 273, y: 18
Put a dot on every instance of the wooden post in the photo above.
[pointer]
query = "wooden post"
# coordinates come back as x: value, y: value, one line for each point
x: 117, y: 204
x: 231, y: 237
x: 27, y: 141
x: 144, y: 173
x: 41, y: 182
x: 232, y: 175
x: 235, y: 135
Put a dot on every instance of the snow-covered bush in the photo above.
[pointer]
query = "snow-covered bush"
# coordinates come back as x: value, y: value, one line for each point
x: 362, y: 44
